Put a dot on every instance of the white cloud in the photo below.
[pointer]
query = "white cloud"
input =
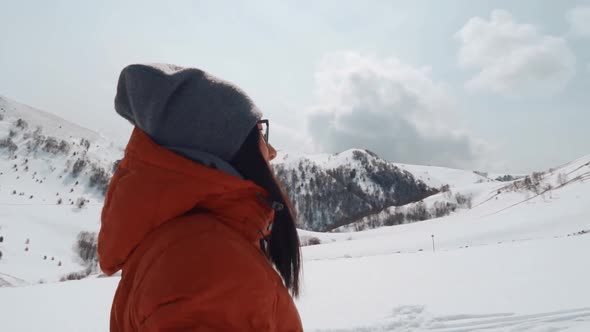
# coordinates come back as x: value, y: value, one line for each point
x: 389, y: 107
x: 579, y: 20
x: 513, y: 58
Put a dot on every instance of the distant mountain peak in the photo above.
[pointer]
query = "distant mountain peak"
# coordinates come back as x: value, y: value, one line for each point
x: 331, y: 190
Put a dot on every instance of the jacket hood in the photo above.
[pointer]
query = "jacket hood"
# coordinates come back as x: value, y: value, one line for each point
x: 154, y: 185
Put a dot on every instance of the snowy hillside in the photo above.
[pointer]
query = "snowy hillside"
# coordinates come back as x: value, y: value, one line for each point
x: 557, y: 205
x: 333, y: 190
x: 515, y: 263
x: 435, y: 176
x: 509, y: 256
x: 339, y: 191
x: 482, y: 195
x: 52, y: 178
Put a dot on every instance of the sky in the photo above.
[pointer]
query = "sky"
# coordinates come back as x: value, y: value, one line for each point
x: 500, y: 86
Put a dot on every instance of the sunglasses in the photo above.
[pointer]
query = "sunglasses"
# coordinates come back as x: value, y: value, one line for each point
x: 264, y: 129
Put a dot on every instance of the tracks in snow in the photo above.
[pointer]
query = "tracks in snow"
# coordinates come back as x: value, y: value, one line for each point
x: 415, y: 318
x: 548, y: 321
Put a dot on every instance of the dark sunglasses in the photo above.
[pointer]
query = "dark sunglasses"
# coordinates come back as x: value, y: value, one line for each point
x: 265, y: 129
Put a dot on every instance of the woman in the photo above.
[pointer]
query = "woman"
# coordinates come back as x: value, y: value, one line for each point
x: 188, y: 213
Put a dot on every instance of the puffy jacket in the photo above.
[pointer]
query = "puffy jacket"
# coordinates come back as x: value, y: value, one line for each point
x: 186, y: 238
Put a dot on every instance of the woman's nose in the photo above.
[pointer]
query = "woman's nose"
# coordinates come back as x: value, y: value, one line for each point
x: 272, y: 153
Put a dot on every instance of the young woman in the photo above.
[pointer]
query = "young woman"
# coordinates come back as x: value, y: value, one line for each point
x: 194, y: 216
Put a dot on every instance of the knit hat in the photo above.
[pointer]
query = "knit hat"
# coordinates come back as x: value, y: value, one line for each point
x: 187, y: 110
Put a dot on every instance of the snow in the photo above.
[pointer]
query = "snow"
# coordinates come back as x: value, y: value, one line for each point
x: 51, y: 231
x: 52, y: 124
x: 49, y: 228
x: 512, y: 280
x: 521, y: 286
x: 515, y: 261
x: 69, y: 306
x: 436, y: 177
x: 512, y: 216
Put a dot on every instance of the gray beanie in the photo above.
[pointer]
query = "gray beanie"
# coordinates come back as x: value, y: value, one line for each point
x: 186, y: 110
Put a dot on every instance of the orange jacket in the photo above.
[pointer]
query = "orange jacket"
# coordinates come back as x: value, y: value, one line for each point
x: 183, y: 270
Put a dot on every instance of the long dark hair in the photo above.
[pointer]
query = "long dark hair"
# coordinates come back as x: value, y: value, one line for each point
x: 282, y: 247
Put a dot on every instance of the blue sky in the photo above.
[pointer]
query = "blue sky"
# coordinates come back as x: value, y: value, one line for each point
x: 493, y: 85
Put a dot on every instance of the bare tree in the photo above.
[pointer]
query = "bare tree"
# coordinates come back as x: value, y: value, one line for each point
x: 562, y: 179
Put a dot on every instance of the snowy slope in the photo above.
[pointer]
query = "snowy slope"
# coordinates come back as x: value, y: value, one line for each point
x: 500, y: 213
x: 518, y: 269
x: 101, y: 150
x: 435, y: 176
x: 525, y: 286
x: 39, y: 219
x: 515, y: 261
x: 52, y: 124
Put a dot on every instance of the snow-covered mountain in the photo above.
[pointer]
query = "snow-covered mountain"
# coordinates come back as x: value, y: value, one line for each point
x: 481, y: 197
x: 334, y: 191
x: 509, y: 256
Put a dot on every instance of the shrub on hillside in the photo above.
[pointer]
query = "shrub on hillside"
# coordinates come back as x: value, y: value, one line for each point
x: 35, y: 140
x: 51, y: 145
x: 537, y: 176
x: 310, y: 241
x: 85, y: 143
x: 530, y: 182
x: 81, y: 202
x: 77, y: 275
x: 441, y: 209
x: 547, y: 189
x: 396, y: 218
x: 358, y: 227
x: 64, y: 147
x: 78, y: 167
x: 562, y: 179
x: 464, y: 201
x: 21, y: 124
x: 418, y: 212
x: 100, y: 179
x: 7, y: 143
x: 314, y: 241
x: 505, y: 178
x: 54, y: 146
x: 86, y: 248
